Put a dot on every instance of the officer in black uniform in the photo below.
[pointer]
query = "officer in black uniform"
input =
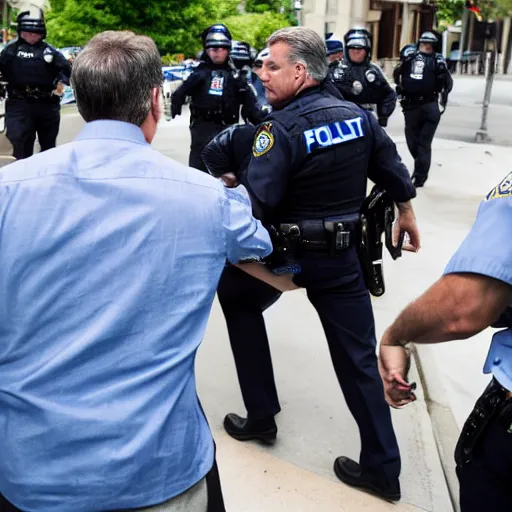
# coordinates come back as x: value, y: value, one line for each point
x: 241, y: 57
x: 421, y: 77
x: 361, y: 81
x: 217, y: 90
x: 307, y: 176
x: 32, y: 68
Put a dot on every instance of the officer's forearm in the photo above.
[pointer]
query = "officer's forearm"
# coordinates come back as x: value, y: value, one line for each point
x: 405, y: 207
x: 456, y: 307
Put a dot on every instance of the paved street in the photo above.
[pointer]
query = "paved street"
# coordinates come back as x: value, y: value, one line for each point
x: 315, y: 425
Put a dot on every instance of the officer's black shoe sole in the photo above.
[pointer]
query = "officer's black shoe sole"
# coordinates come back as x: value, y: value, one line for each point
x: 242, y: 429
x: 349, y: 472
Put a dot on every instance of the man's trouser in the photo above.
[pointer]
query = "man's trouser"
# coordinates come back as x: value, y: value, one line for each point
x: 484, y: 454
x: 202, y: 132
x: 205, y: 496
x: 25, y: 119
x: 421, y: 123
x: 336, y: 288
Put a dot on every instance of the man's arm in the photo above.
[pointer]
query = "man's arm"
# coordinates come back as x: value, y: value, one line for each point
x: 269, y: 169
x: 185, y: 89
x: 63, y: 67
x: 387, y: 102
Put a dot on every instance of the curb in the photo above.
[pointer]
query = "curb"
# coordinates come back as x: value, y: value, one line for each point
x: 444, y: 426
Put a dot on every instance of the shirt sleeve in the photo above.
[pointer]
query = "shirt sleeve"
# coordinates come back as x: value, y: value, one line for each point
x: 487, y: 250
x: 246, y: 238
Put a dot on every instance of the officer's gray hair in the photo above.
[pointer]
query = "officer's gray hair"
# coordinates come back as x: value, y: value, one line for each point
x: 307, y: 47
x: 113, y: 77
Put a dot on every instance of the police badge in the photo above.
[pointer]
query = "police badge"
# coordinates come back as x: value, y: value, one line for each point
x: 357, y: 87
x: 371, y: 76
x: 263, y: 141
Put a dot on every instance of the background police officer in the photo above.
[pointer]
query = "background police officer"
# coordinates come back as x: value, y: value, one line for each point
x: 32, y: 68
x: 334, y: 52
x: 307, y: 170
x: 420, y: 77
x: 361, y: 81
x: 474, y: 293
x: 217, y: 90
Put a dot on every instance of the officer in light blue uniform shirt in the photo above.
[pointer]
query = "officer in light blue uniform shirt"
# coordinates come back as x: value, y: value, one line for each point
x: 474, y: 293
x: 110, y: 258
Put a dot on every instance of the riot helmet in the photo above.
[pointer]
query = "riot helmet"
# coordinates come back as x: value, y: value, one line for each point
x: 240, y: 54
x: 333, y: 45
x: 258, y: 61
x: 358, y: 39
x: 428, y: 37
x: 31, y: 21
x: 216, y: 36
x: 407, y: 51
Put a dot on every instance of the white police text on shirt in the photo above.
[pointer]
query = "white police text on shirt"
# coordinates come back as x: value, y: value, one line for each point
x: 333, y: 134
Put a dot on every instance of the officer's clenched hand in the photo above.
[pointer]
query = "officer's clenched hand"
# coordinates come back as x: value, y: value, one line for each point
x: 406, y: 224
x: 229, y: 180
x: 394, y: 364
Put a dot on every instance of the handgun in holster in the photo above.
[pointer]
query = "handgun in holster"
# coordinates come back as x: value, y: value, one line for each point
x: 377, y: 217
x: 285, y: 242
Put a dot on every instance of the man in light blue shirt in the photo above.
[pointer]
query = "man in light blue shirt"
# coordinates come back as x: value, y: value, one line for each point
x: 474, y: 293
x: 109, y: 261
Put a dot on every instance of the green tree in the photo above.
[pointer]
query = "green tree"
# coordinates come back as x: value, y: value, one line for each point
x: 448, y: 12
x: 284, y: 7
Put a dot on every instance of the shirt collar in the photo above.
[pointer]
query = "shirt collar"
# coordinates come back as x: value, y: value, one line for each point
x: 108, y: 129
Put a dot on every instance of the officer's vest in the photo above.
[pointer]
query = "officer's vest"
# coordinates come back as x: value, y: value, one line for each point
x: 419, y: 75
x: 219, y: 94
x: 26, y: 65
x: 362, y: 83
x: 329, y: 170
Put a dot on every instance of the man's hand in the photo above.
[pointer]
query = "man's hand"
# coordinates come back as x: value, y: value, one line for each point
x: 394, y: 364
x: 229, y: 180
x: 406, y: 224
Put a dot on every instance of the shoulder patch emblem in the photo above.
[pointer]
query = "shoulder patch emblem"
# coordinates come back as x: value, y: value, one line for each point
x: 504, y: 189
x: 263, y: 141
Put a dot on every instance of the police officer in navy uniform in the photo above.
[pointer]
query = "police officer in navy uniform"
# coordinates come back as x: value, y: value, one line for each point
x: 32, y: 68
x: 217, y: 90
x: 334, y: 52
x: 361, y: 81
x: 474, y: 293
x: 307, y: 173
x: 421, y: 77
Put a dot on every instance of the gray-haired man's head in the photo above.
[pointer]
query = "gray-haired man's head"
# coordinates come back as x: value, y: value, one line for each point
x: 117, y: 76
x: 296, y: 62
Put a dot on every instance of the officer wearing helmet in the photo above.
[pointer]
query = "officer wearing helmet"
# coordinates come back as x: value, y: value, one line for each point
x: 241, y: 57
x: 361, y: 81
x: 334, y: 52
x: 32, y: 68
x: 421, y: 77
x: 217, y: 90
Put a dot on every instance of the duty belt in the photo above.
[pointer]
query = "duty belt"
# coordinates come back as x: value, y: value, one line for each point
x: 368, y: 106
x: 28, y: 92
x: 420, y: 99
x: 216, y: 116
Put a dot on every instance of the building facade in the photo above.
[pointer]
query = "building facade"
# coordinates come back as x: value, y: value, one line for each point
x: 393, y: 23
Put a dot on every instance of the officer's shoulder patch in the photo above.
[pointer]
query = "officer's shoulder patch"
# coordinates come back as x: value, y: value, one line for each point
x: 503, y: 189
x: 263, y: 140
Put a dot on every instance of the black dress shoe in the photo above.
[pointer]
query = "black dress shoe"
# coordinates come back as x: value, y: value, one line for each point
x: 349, y: 472
x: 246, y: 429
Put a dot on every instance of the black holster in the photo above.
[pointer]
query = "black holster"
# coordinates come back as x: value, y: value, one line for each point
x: 285, y: 241
x: 377, y: 217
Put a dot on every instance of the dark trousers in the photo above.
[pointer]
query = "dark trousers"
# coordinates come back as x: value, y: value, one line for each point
x: 421, y: 123
x: 25, y: 119
x: 486, y: 481
x: 214, y: 489
x: 336, y: 289
x: 201, y: 132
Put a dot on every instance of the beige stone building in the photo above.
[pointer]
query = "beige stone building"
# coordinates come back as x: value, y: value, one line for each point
x: 393, y: 23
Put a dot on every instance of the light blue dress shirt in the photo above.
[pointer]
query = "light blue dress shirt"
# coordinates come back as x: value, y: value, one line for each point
x: 487, y: 250
x: 110, y: 256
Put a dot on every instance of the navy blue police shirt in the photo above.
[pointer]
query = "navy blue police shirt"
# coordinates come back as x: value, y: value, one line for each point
x: 312, y: 159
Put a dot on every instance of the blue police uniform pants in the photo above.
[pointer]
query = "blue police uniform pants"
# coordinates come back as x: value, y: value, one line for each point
x: 421, y: 123
x: 201, y: 133
x: 486, y: 481
x: 25, y: 118
x: 336, y: 288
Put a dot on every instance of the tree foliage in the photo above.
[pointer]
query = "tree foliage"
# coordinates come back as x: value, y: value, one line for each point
x: 175, y: 25
x: 450, y: 11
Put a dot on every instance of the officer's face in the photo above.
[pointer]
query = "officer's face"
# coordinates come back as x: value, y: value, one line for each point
x: 31, y: 37
x: 357, y: 55
x: 218, y: 55
x: 426, y: 48
x: 281, y: 78
x: 335, y: 57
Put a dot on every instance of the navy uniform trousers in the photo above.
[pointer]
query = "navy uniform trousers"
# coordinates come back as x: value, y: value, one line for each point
x: 336, y: 289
